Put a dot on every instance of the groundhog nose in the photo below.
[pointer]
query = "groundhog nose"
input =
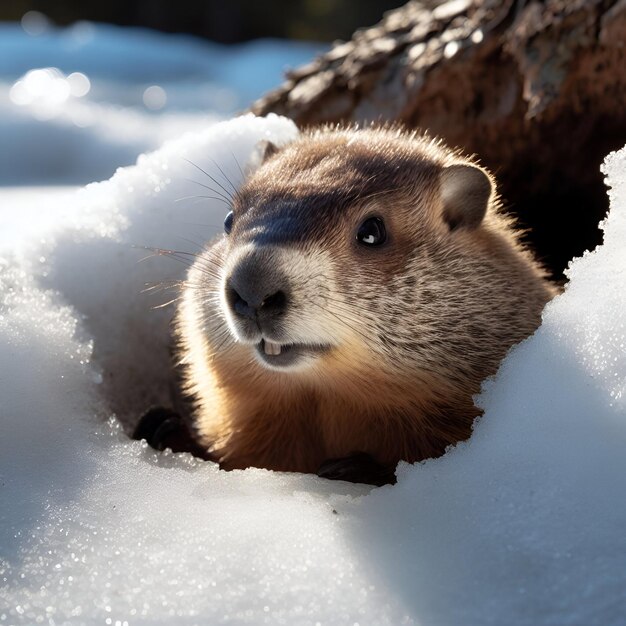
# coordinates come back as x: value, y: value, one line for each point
x: 254, y: 295
x: 271, y: 305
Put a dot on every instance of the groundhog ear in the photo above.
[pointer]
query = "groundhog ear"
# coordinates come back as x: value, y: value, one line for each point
x: 267, y: 149
x: 465, y: 191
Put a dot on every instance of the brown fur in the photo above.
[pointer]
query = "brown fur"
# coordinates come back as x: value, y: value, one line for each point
x: 416, y: 326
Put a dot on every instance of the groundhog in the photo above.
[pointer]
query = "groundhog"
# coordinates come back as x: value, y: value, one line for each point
x: 365, y: 285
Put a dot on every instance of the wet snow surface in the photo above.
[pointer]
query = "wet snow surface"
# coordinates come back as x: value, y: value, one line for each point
x: 523, y: 524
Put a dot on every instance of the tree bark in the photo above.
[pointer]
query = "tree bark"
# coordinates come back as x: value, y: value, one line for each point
x: 537, y: 89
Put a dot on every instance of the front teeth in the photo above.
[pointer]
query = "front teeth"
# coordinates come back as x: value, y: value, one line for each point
x: 273, y: 349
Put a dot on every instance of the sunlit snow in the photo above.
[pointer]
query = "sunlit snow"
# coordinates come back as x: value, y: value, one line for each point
x: 523, y: 524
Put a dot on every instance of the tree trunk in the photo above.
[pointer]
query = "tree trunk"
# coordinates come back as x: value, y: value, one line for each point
x: 537, y: 89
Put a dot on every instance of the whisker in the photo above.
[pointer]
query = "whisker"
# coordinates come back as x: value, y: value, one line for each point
x: 162, y: 286
x: 204, y: 224
x: 162, y: 306
x: 243, y: 176
x: 208, y: 267
x: 211, y: 177
x: 181, y: 257
x: 219, y: 198
x: 224, y: 175
x: 199, y: 245
x: 225, y: 198
x: 166, y: 251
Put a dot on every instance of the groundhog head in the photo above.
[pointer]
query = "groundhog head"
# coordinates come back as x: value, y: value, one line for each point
x: 348, y: 240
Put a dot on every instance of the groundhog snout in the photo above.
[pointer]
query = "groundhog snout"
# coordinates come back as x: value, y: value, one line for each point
x: 256, y: 292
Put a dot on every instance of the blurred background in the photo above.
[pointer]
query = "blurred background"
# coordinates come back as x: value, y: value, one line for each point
x: 87, y: 86
x: 233, y: 21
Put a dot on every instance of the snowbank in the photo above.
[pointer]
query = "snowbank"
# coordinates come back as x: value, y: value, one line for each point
x: 523, y: 524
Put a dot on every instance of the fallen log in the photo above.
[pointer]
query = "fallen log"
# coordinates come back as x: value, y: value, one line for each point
x: 537, y: 89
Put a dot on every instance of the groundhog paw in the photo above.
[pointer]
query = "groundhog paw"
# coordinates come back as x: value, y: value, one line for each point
x: 163, y: 428
x: 357, y: 468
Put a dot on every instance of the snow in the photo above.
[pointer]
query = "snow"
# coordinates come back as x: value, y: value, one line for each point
x: 521, y: 525
x: 78, y: 102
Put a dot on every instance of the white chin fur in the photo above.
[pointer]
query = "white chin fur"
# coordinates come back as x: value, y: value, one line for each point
x: 302, y: 364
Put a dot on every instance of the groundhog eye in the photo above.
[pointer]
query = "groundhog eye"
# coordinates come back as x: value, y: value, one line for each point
x: 228, y: 222
x: 372, y: 232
